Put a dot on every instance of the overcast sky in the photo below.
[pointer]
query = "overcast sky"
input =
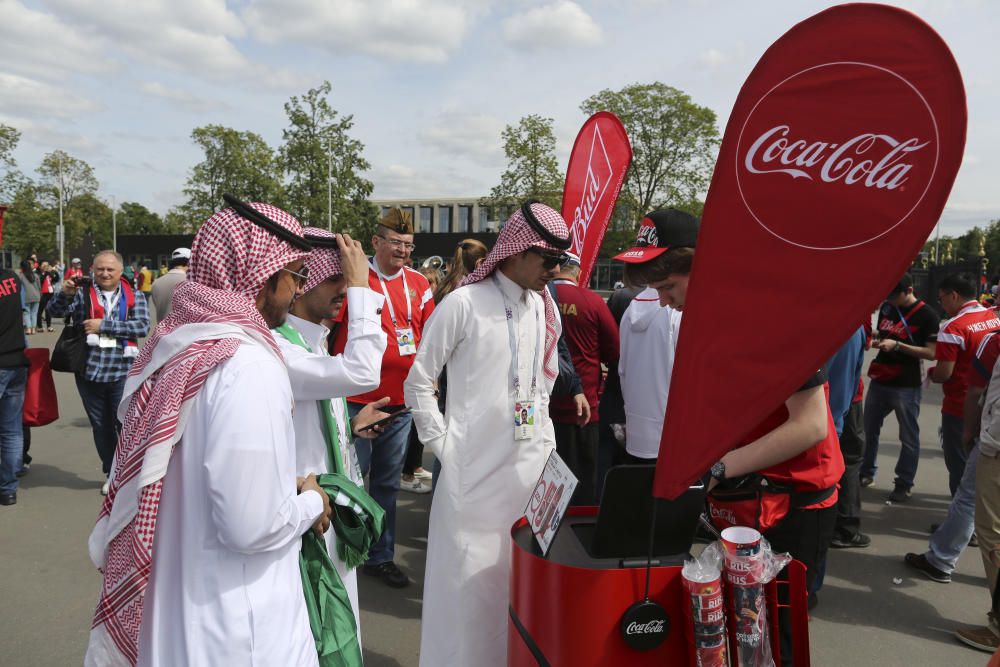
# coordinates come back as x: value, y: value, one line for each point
x: 431, y: 83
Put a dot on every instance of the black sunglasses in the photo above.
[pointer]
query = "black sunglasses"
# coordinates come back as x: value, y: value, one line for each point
x: 550, y: 260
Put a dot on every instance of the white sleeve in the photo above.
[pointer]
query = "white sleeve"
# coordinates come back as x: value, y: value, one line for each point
x: 445, y: 330
x: 356, y: 371
x: 252, y: 497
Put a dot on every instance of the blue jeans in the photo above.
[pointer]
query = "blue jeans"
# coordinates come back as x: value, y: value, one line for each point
x: 100, y: 401
x: 954, y: 453
x: 30, y: 314
x: 950, y: 539
x: 381, y: 460
x: 905, y: 402
x: 12, y: 381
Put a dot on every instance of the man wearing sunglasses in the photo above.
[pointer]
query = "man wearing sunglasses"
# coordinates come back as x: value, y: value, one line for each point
x: 497, y: 333
x: 408, y: 304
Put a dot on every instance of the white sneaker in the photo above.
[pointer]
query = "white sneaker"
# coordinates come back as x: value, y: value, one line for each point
x: 425, y: 475
x: 414, y: 485
x: 104, y: 488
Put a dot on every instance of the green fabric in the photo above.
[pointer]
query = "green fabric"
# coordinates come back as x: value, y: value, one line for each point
x: 358, y: 522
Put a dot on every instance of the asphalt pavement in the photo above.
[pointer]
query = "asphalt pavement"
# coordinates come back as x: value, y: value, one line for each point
x: 48, y: 587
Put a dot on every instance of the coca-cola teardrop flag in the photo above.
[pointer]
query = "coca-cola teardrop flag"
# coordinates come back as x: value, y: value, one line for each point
x: 837, y: 161
x: 597, y: 166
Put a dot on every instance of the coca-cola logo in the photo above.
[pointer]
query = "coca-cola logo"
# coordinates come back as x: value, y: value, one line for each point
x: 644, y: 625
x: 806, y: 167
x: 596, y: 182
x: 648, y: 628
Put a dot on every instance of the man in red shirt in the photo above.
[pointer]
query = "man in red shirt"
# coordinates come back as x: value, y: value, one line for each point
x: 408, y: 304
x: 957, y: 342
x: 592, y: 336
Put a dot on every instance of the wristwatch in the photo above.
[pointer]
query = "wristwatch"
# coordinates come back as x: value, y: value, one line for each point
x: 896, y: 349
x: 718, y: 471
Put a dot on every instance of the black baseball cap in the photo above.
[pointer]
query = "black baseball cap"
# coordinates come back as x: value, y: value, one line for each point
x: 660, y: 231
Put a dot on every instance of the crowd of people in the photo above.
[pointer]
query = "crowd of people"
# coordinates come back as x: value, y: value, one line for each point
x: 288, y: 367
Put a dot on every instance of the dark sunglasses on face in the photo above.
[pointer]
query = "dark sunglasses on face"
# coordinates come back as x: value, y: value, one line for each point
x: 550, y: 260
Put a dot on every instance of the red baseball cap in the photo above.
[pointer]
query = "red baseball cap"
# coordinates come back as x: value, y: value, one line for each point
x: 659, y: 232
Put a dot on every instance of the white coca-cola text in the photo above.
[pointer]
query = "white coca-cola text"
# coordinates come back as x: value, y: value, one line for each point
x: 650, y: 628
x: 874, y: 160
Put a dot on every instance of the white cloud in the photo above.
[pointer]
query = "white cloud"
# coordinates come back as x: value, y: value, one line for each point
x: 29, y: 98
x: 41, y: 45
x: 713, y: 58
x: 560, y: 24
x: 182, y: 99
x: 472, y: 135
x: 48, y: 138
x: 397, y: 181
x: 192, y: 36
x: 395, y: 30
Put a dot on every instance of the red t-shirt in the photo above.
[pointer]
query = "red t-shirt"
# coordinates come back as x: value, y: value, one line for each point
x: 592, y: 336
x: 394, y: 367
x: 819, y: 467
x: 981, y: 367
x: 958, y: 341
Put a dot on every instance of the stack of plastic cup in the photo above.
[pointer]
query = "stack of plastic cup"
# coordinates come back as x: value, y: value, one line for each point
x: 744, y: 567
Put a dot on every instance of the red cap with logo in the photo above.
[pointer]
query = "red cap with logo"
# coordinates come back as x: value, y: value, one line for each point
x: 659, y: 232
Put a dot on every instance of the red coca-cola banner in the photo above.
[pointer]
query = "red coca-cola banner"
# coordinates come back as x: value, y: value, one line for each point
x: 836, y: 164
x: 597, y: 167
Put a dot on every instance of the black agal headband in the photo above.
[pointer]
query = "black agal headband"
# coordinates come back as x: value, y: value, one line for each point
x: 256, y: 217
x: 547, y: 236
x: 322, y: 242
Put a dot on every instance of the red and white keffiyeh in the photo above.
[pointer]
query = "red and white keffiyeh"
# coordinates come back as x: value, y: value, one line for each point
x: 213, y: 313
x: 323, y: 262
x: 517, y: 236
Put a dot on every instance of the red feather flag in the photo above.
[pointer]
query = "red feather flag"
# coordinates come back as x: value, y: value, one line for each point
x: 597, y: 167
x: 835, y: 166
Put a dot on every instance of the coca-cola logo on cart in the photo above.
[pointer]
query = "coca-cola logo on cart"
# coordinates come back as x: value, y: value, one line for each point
x: 645, y: 625
x: 802, y: 156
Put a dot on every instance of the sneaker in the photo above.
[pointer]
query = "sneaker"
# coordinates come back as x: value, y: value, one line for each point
x: 414, y: 485
x: 390, y: 575
x: 104, y: 488
x: 8, y: 498
x: 867, y: 481
x: 856, y: 541
x: 24, y: 470
x: 919, y: 562
x: 425, y: 475
x: 982, y: 638
x: 900, y: 494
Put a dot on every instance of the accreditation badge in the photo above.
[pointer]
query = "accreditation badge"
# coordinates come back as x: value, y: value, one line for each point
x: 107, y: 341
x: 524, y: 420
x: 406, y: 342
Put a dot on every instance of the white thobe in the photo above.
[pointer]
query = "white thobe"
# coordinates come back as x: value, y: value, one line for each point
x: 225, y: 587
x: 316, y: 376
x: 487, y: 476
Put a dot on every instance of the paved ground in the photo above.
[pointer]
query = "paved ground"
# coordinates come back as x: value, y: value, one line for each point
x: 49, y: 586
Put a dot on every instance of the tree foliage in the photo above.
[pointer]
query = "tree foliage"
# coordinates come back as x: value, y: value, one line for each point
x: 134, y: 218
x: 317, y: 143
x: 10, y: 177
x: 532, y: 169
x: 61, y: 173
x: 240, y: 163
x: 673, y: 142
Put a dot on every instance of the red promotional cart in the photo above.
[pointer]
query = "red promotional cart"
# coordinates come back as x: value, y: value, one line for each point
x: 566, y: 608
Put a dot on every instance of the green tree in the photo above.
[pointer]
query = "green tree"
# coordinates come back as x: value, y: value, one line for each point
x: 134, y: 218
x: 29, y: 226
x: 240, y: 163
x: 61, y: 173
x: 532, y: 169
x: 87, y: 216
x: 674, y: 142
x: 10, y: 178
x: 317, y: 144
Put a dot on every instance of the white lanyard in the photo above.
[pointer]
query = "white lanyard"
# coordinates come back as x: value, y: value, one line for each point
x: 512, y: 338
x: 110, y: 303
x: 388, y: 299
